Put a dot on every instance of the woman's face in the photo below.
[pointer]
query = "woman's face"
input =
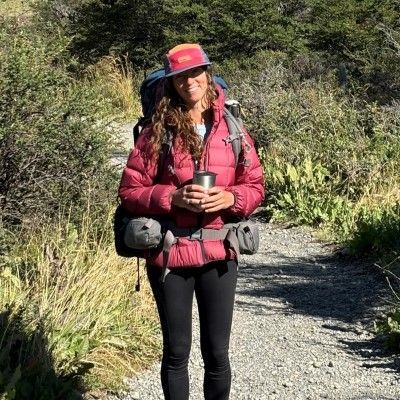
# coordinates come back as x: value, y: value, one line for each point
x: 191, y: 85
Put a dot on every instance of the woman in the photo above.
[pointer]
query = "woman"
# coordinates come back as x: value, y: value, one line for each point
x: 191, y: 108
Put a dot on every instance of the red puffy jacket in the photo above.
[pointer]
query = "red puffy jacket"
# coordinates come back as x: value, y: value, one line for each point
x: 140, y: 195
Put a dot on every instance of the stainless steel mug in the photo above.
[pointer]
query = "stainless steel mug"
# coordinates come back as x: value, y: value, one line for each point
x: 204, y: 178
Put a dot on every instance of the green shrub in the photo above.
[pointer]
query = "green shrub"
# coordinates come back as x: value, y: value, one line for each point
x: 54, y: 142
x: 26, y: 371
x: 299, y: 118
x: 377, y: 227
x: 358, y: 35
x: 306, y: 193
x: 390, y: 327
x: 329, y: 158
x: 146, y: 29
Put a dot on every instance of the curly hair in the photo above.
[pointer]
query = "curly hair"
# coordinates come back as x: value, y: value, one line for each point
x: 173, y: 114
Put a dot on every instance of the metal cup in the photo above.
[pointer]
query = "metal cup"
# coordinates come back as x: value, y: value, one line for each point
x: 204, y: 178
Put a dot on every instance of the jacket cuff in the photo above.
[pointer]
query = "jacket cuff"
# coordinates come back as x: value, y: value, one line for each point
x: 237, y: 207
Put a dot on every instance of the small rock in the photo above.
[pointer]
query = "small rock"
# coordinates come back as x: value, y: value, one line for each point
x: 316, y: 364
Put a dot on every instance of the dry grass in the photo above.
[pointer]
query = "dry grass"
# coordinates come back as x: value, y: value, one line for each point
x: 115, y: 78
x: 14, y: 8
x: 83, y: 296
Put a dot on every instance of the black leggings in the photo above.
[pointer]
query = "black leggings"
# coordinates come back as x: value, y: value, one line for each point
x: 214, y: 285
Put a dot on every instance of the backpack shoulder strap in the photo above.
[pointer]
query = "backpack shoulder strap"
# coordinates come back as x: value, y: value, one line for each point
x: 166, y: 146
x: 235, y: 127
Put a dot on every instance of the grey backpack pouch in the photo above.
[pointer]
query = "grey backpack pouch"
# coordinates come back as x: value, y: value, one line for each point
x: 247, y: 235
x: 142, y: 233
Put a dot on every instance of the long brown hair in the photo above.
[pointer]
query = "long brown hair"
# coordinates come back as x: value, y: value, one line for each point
x: 172, y: 113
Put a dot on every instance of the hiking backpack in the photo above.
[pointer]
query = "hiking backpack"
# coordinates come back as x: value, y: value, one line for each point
x: 150, y: 93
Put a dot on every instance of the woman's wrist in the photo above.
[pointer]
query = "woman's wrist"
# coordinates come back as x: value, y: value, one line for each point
x: 233, y: 199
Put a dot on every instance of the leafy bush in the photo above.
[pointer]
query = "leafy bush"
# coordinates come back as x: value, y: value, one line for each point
x: 353, y: 33
x: 54, y: 145
x: 390, y: 327
x: 25, y: 363
x: 146, y: 29
x: 306, y: 193
x: 329, y: 159
x: 295, y: 118
x: 377, y: 227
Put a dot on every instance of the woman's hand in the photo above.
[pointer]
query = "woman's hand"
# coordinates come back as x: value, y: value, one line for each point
x: 189, y: 197
x: 216, y: 199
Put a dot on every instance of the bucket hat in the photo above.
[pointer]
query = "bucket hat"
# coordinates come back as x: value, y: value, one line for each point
x: 183, y: 57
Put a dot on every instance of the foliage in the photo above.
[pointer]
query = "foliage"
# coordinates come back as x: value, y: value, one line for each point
x: 25, y: 365
x: 101, y: 27
x: 306, y: 193
x: 11, y: 8
x: 72, y: 311
x: 377, y: 227
x: 390, y: 326
x: 296, y: 118
x: 54, y: 145
x: 146, y: 29
x: 330, y: 159
x: 354, y: 34
x: 69, y: 317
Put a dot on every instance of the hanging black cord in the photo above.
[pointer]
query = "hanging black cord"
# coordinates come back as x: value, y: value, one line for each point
x: 137, y: 287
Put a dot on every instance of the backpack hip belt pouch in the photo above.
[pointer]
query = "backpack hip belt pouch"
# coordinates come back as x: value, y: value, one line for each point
x: 247, y: 234
x: 135, y: 236
x: 142, y: 233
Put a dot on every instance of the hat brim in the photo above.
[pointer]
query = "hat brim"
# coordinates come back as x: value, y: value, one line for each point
x: 186, y: 69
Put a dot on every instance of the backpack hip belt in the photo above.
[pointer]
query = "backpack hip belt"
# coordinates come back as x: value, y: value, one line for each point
x: 171, y: 236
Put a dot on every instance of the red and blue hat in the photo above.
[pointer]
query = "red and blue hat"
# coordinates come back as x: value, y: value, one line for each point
x: 183, y: 57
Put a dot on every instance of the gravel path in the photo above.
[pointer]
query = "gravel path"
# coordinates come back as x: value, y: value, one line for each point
x: 302, y: 327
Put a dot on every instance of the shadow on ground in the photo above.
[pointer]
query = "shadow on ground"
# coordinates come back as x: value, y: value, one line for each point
x: 330, y: 287
x: 26, y: 364
x: 342, y: 291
